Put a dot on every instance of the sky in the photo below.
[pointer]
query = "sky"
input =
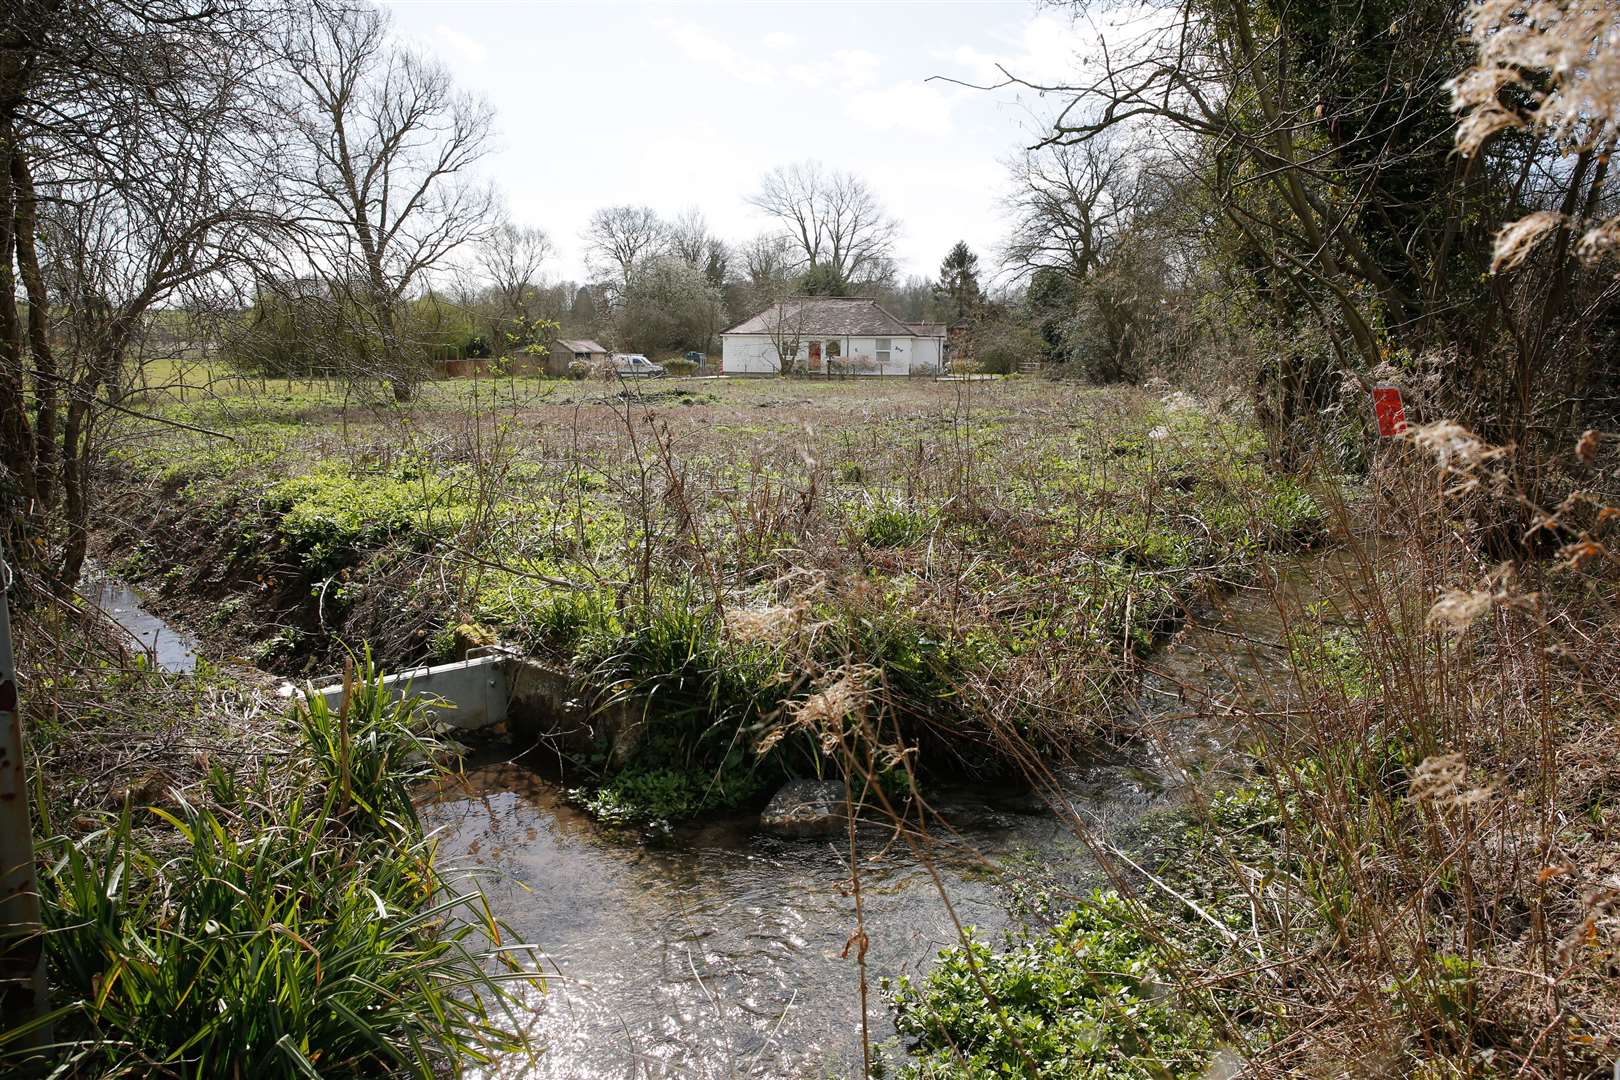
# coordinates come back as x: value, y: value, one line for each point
x: 674, y: 104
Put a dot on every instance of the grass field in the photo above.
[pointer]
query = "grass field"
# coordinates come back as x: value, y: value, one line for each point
x: 979, y: 562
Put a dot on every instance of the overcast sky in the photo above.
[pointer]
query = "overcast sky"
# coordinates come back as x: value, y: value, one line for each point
x: 681, y: 104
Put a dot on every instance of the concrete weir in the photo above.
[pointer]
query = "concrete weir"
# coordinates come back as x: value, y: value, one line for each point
x: 500, y: 693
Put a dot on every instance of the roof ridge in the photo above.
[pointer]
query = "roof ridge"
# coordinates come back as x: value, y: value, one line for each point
x: 840, y: 316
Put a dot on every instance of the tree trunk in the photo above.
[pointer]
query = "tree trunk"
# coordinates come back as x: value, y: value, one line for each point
x: 46, y: 388
x: 16, y: 438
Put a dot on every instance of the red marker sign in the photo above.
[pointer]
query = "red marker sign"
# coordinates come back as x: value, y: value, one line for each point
x: 1391, y: 413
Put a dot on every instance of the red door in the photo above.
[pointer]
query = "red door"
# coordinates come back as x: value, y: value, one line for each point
x: 815, y: 356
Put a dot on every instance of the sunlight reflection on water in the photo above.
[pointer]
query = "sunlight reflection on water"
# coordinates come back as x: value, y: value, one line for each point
x: 722, y: 954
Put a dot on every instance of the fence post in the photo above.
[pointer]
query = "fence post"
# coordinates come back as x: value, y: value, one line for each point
x: 22, y: 944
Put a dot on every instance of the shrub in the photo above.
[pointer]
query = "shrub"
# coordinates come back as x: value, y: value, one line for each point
x: 680, y: 366
x: 853, y: 365
x: 578, y: 369
x: 1001, y: 346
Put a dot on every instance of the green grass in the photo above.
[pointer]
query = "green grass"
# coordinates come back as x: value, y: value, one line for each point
x: 959, y: 553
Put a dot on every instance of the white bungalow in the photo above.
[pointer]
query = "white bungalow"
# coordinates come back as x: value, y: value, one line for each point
x: 831, y: 335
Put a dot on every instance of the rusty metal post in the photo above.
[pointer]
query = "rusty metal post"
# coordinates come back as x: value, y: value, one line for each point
x: 22, y: 944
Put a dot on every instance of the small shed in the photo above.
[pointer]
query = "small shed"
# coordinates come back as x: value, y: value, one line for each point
x: 565, y: 352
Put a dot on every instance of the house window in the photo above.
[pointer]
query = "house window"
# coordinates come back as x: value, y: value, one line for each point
x: 883, y: 352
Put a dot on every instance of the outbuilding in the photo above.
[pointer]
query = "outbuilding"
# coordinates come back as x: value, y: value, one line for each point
x: 565, y: 352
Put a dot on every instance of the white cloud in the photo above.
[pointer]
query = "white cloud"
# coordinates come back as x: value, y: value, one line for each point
x: 742, y: 92
x: 908, y: 106
x: 704, y: 48
x: 1047, y: 49
x: 470, y: 51
x: 855, y: 67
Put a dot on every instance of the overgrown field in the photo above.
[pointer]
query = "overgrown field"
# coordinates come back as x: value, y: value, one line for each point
x: 1411, y: 870
x: 977, y: 562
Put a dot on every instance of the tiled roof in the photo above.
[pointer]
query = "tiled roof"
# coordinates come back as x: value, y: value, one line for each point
x: 580, y: 346
x: 831, y: 316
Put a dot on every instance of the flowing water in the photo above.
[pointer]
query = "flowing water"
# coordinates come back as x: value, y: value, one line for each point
x: 166, y: 648
x: 723, y: 953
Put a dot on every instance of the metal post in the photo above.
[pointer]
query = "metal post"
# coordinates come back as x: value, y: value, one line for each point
x: 22, y: 942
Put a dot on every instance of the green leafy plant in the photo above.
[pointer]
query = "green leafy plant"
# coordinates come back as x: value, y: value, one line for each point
x: 295, y: 926
x: 641, y: 795
x: 270, y: 944
x: 887, y: 522
x: 1080, y: 1001
x: 371, y: 750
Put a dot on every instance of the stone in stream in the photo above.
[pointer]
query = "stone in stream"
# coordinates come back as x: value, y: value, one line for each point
x: 806, y: 808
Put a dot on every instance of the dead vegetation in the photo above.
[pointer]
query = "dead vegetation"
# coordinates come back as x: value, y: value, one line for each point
x: 1418, y: 875
x: 1003, y: 553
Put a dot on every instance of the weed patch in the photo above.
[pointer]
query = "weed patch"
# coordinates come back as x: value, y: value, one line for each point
x: 1084, y: 999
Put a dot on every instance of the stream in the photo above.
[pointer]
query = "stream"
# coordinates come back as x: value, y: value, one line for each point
x: 722, y: 953
x: 165, y: 648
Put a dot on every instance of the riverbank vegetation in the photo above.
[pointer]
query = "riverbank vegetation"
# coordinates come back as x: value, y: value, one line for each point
x: 1417, y: 875
x: 1001, y: 554
x: 229, y: 883
x: 243, y: 247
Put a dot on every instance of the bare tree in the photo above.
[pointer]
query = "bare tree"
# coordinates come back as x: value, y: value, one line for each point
x: 689, y: 237
x: 785, y: 321
x: 619, y: 240
x: 1087, y: 218
x: 1069, y: 204
x: 511, y: 258
x: 132, y: 177
x: 383, y: 184
x: 767, y: 258
x: 841, y: 233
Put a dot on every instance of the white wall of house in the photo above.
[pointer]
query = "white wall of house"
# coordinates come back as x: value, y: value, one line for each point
x: 891, y: 355
x: 754, y: 354
x: 748, y: 354
x: 925, y: 353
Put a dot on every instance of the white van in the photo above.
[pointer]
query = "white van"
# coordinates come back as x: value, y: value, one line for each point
x: 634, y: 365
